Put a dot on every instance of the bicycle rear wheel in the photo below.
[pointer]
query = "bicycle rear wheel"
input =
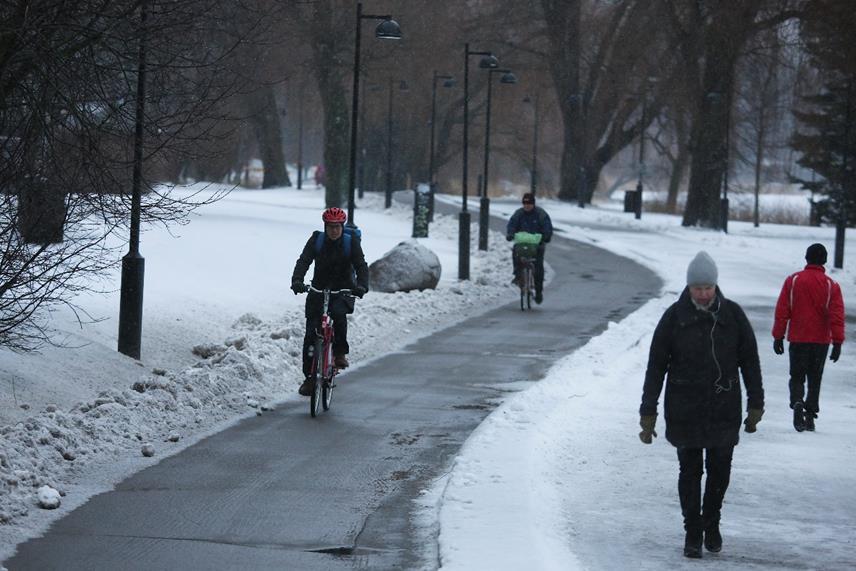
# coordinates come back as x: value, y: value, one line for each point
x: 316, y: 397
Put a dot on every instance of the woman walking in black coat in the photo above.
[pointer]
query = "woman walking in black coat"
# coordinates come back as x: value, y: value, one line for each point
x: 700, y: 346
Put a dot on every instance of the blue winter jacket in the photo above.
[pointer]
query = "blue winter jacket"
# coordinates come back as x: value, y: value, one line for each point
x: 536, y: 221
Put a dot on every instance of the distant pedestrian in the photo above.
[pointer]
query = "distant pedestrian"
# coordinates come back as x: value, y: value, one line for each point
x: 320, y: 176
x: 701, y: 342
x: 811, y: 309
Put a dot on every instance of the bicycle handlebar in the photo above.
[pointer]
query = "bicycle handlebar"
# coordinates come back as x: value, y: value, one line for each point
x: 332, y: 291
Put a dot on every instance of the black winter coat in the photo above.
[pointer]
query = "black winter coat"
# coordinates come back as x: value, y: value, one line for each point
x: 333, y: 269
x: 699, y: 352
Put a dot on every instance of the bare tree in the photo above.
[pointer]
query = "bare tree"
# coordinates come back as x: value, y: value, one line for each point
x: 67, y: 113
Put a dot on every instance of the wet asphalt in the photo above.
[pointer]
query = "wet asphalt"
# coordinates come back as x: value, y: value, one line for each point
x: 286, y: 491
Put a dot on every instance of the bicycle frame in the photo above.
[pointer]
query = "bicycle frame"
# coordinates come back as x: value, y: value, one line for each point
x: 323, y: 368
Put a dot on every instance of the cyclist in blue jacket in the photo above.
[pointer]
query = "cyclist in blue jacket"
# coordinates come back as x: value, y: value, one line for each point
x: 533, y: 219
x: 339, y: 264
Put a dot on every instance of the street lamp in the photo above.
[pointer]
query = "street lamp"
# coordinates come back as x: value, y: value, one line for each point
x: 533, y: 183
x: 387, y: 201
x: 449, y: 81
x: 642, y: 129
x: 484, y: 205
x: 488, y: 61
x: 133, y: 263
x: 388, y: 29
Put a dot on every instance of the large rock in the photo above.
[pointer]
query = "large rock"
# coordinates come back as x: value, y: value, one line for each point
x: 408, y: 266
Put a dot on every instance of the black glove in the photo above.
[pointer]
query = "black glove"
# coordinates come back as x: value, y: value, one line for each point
x: 779, y: 346
x: 753, y: 417
x: 509, y: 238
x: 648, y: 422
x: 359, y: 291
x: 298, y: 287
x: 836, y: 352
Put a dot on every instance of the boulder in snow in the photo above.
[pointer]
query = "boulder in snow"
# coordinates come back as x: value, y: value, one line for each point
x: 48, y: 498
x: 408, y: 266
x: 148, y: 450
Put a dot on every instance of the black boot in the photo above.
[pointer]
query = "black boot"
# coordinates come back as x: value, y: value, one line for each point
x: 712, y: 538
x: 799, y: 417
x: 809, y: 420
x: 692, y: 543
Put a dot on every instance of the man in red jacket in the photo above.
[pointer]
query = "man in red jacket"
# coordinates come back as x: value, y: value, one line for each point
x: 811, y: 308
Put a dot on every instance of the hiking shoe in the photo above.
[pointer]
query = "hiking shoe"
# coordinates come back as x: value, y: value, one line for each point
x: 340, y: 362
x: 306, y: 388
x: 799, y: 417
x: 538, y: 297
x: 809, y: 420
x: 692, y: 544
x: 713, y: 539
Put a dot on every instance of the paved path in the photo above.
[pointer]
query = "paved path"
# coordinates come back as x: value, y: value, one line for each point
x: 285, y: 491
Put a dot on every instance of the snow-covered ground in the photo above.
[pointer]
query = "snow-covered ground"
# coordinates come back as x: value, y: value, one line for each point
x: 221, y: 340
x: 556, y: 477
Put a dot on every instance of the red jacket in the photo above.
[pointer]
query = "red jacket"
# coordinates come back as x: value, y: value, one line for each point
x: 812, y: 302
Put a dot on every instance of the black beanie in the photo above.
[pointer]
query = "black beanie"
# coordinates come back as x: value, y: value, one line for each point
x: 528, y: 198
x: 816, y: 254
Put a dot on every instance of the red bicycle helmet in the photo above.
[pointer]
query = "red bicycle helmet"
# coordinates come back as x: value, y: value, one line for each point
x: 334, y: 216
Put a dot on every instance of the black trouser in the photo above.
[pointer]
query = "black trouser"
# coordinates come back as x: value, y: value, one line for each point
x: 313, y: 324
x: 697, y: 514
x: 807, y: 360
x: 539, y: 266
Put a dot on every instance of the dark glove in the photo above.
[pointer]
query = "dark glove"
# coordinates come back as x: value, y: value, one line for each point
x: 359, y: 291
x: 298, y: 287
x: 836, y: 352
x: 753, y: 417
x: 779, y: 346
x: 509, y: 238
x: 647, y: 422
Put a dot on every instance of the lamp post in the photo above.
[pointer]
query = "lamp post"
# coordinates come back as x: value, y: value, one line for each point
x: 388, y: 29
x: 642, y: 129
x: 133, y: 263
x: 533, y: 182
x: 484, y: 205
x: 488, y: 61
x: 449, y: 81
x: 387, y: 200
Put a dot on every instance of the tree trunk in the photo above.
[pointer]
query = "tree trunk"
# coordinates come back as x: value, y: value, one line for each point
x: 336, y: 141
x: 563, y: 26
x: 268, y: 131
x: 708, y: 140
x: 679, y: 169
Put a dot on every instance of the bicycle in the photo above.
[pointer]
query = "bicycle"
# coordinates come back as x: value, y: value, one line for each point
x: 323, y: 367
x: 526, y: 251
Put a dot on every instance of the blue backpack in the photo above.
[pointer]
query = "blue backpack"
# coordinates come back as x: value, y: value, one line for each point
x: 347, y: 235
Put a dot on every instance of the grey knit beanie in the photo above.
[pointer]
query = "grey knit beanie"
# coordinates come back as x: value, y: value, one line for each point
x: 702, y: 270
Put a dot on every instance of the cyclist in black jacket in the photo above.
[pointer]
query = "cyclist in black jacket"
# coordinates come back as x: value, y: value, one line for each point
x: 533, y: 219
x: 339, y: 264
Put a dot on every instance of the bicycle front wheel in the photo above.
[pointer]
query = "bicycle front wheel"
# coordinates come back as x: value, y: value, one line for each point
x: 326, y: 393
x: 316, y: 397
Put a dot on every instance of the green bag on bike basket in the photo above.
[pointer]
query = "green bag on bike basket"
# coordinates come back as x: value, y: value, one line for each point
x: 526, y: 244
